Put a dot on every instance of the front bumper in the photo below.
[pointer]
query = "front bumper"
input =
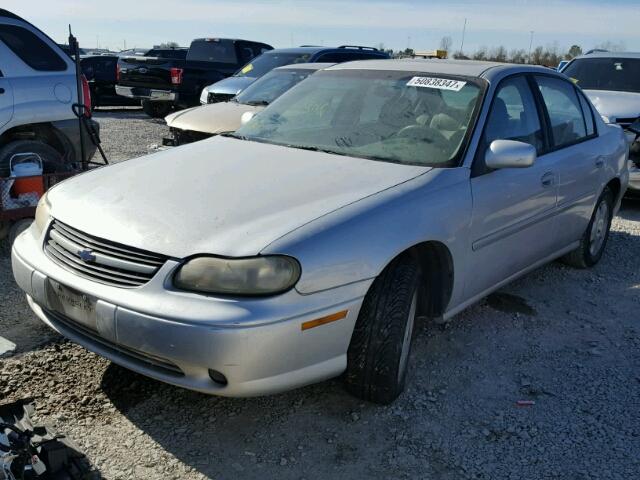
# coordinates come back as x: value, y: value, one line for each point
x: 146, y: 93
x: 177, y: 337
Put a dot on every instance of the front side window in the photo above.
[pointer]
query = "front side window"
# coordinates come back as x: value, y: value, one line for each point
x: 399, y: 117
x: 268, y: 61
x: 565, y: 112
x: 31, y: 49
x: 514, y: 116
x: 601, y: 73
x: 271, y: 86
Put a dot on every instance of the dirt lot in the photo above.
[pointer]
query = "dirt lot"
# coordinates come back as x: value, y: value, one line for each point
x: 567, y: 339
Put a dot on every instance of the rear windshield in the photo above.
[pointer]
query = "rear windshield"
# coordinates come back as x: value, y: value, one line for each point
x: 179, y: 54
x: 616, y: 74
x: 399, y: 117
x: 270, y: 60
x: 213, y: 50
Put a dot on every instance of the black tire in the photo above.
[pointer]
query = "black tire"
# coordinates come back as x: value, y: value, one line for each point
x: 18, y: 227
x: 51, y: 158
x: 156, y: 109
x: 589, y: 253
x: 376, y: 366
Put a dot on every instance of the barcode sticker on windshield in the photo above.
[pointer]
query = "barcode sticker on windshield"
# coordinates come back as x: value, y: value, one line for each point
x: 439, y: 83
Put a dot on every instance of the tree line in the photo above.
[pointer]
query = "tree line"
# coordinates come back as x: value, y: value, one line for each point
x: 549, y: 55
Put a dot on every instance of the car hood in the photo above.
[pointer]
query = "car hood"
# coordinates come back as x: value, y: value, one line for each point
x: 221, y: 195
x: 213, y: 118
x: 231, y: 85
x: 615, y: 104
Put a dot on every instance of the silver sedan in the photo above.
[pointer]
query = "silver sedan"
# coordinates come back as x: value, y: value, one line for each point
x: 305, y: 245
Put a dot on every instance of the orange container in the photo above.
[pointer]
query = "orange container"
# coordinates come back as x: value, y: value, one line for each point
x: 24, y: 185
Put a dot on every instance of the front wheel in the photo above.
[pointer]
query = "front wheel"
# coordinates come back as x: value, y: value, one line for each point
x: 595, y: 237
x: 378, y: 354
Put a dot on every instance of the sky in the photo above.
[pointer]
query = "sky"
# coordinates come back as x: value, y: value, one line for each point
x: 284, y: 23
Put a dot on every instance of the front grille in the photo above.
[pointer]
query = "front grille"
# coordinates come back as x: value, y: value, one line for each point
x: 100, y: 260
x: 219, y: 97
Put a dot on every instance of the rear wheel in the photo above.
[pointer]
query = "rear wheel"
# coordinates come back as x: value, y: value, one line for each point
x: 595, y: 236
x: 156, y: 109
x: 379, y: 351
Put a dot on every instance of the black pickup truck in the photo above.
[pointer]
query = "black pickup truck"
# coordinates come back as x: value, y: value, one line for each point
x: 165, y: 83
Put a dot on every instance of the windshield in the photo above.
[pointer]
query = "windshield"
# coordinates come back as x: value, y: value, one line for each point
x: 401, y: 117
x: 271, y: 86
x: 616, y: 74
x: 268, y: 61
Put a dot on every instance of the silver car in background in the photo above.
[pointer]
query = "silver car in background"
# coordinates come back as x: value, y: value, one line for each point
x: 611, y: 80
x: 305, y: 245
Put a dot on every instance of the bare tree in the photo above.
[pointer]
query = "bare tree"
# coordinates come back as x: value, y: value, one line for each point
x: 498, y: 54
x: 169, y: 45
x: 574, y: 51
x: 537, y: 56
x: 518, y: 56
x: 480, y: 54
x: 445, y: 43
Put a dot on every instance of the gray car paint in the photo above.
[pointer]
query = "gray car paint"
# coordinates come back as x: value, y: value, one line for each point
x: 343, y: 218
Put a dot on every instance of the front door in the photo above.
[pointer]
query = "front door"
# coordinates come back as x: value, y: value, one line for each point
x: 513, y: 224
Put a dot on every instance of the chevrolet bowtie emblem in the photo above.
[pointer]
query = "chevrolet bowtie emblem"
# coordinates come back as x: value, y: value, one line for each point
x: 87, y: 255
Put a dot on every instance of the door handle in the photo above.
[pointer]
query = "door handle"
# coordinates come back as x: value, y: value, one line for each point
x: 600, y: 162
x: 548, y: 179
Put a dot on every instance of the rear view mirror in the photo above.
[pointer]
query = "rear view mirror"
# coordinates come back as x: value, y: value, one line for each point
x: 509, y: 154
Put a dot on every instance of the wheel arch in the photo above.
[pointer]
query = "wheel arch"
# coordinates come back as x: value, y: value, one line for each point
x: 43, y: 132
x: 435, y: 262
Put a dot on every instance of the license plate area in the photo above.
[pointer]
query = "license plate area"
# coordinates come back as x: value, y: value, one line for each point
x: 72, y: 304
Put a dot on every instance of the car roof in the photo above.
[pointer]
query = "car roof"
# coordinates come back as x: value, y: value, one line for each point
x: 305, y: 66
x: 610, y: 55
x: 467, y: 68
x: 316, y: 48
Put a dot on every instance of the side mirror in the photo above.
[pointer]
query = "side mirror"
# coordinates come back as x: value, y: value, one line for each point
x: 635, y: 127
x: 246, y: 116
x: 509, y: 154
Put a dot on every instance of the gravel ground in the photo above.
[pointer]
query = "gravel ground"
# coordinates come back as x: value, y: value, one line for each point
x: 568, y: 340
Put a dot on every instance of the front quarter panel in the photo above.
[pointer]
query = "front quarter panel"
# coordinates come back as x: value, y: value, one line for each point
x: 356, y: 242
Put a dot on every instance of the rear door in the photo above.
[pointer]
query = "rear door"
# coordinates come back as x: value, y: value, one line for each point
x: 6, y: 92
x: 575, y: 150
x: 513, y: 224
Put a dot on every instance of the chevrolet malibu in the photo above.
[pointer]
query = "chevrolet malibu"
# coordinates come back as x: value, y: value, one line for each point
x: 305, y: 245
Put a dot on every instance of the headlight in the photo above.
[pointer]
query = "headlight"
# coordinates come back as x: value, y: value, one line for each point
x: 238, y: 276
x: 42, y: 212
x: 204, y: 95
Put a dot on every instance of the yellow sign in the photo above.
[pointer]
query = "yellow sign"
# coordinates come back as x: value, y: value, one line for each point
x: 247, y: 68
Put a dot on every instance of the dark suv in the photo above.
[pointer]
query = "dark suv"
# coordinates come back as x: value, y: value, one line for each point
x: 226, y: 89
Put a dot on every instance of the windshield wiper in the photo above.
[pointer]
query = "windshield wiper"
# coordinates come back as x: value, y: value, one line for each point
x: 257, y: 103
x: 312, y: 148
x: 232, y: 135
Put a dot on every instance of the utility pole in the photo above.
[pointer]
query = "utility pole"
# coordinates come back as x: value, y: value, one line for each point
x: 530, y: 45
x: 464, y: 30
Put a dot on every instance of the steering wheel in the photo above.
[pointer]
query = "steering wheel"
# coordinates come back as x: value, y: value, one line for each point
x: 423, y: 132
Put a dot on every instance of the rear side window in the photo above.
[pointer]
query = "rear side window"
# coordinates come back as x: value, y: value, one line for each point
x: 213, y: 50
x: 565, y: 112
x: 31, y: 49
x: 588, y: 115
